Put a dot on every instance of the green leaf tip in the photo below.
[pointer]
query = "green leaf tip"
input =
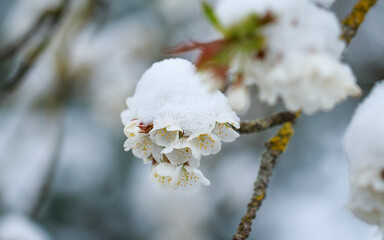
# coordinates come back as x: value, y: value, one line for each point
x: 210, y: 15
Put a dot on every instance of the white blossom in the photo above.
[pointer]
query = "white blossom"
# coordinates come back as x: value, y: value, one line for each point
x: 181, y: 152
x: 205, y: 144
x: 140, y: 143
x: 224, y: 132
x: 364, y: 145
x: 316, y: 82
x: 165, y: 135
x: 300, y: 61
x: 173, y: 119
x: 171, y: 177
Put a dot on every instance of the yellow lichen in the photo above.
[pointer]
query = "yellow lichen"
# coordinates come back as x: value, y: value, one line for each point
x: 353, y: 21
x: 281, y: 140
x: 260, y: 197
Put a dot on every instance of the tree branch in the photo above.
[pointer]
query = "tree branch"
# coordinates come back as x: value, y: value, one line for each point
x: 352, y: 22
x: 54, y: 16
x: 275, y: 146
x: 12, y: 48
x: 262, y: 124
x: 46, y: 188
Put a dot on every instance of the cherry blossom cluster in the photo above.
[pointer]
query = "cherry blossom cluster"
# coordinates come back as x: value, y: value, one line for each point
x: 300, y: 58
x: 173, y: 120
x: 288, y: 49
x: 364, y: 146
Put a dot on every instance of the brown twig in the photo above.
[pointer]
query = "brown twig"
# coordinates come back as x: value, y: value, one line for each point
x: 262, y: 124
x: 275, y: 146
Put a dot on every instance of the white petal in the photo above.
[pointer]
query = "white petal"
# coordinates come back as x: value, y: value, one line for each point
x: 206, y: 144
x: 182, y: 155
x: 166, y: 176
x: 147, y: 160
x: 156, y: 152
x: 225, y: 132
x: 129, y: 143
x: 191, y: 180
x: 131, y: 129
x: 143, y: 147
x: 164, y: 137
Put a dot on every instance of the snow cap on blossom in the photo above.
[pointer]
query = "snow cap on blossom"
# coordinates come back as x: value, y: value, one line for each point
x: 170, y: 94
x: 299, y: 58
x: 173, y: 119
x: 364, y: 146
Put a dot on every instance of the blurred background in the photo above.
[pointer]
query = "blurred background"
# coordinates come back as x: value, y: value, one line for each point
x: 64, y: 173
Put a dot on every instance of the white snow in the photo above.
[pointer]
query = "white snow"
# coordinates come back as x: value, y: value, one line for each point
x: 364, y: 145
x: 170, y: 91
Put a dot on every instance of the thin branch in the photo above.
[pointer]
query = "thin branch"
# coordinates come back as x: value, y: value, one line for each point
x: 352, y: 22
x: 45, y: 190
x: 31, y: 57
x: 14, y: 47
x: 262, y: 124
x: 11, y: 49
x: 275, y: 146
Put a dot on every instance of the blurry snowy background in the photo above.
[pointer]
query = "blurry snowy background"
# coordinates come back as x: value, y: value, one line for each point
x: 98, y: 191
